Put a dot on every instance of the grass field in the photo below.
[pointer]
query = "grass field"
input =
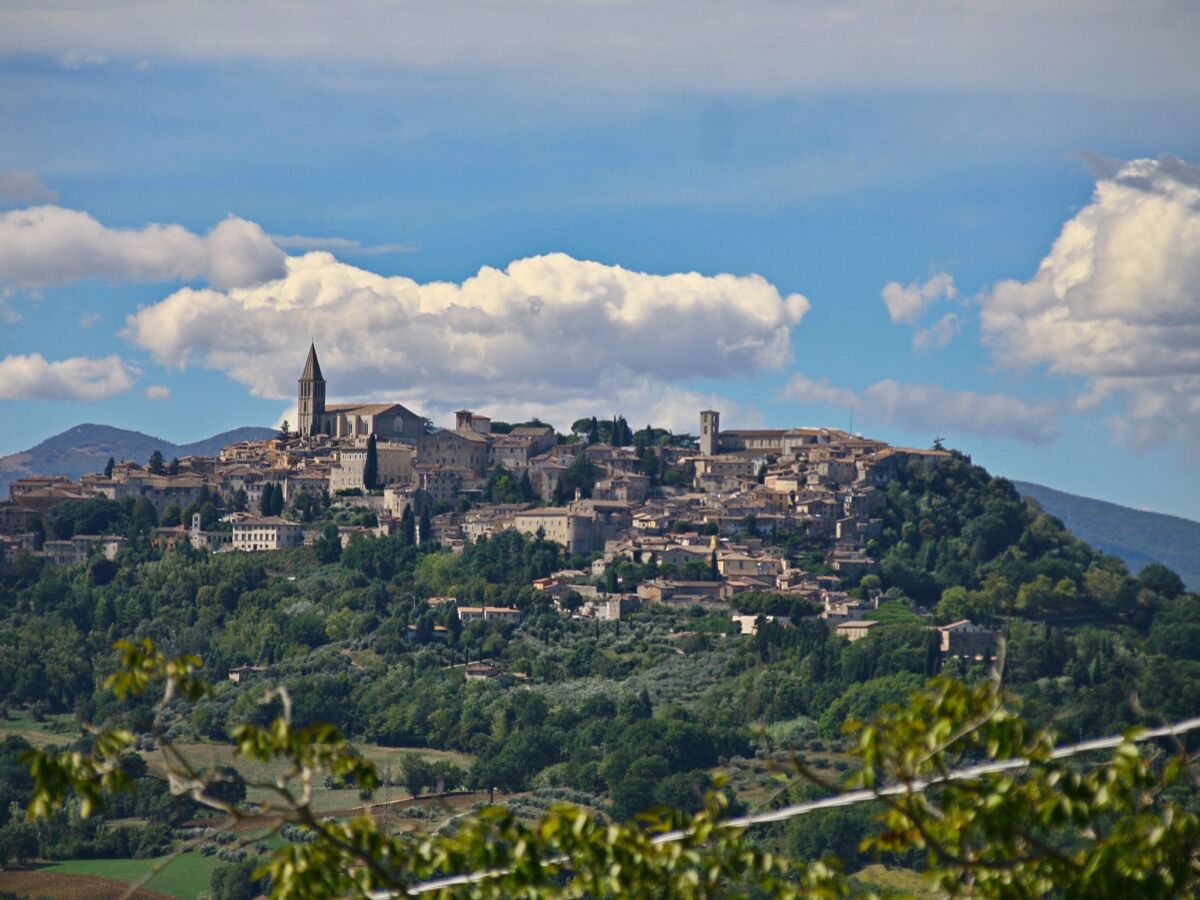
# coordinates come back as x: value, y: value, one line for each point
x: 186, y: 876
x: 206, y: 755
x: 904, y: 881
x: 56, y: 729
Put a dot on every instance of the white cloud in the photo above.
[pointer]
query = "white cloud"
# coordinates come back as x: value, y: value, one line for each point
x: 32, y: 377
x: 546, y: 333
x: 1116, y: 302
x: 907, y: 303
x: 920, y: 407
x: 157, y: 392
x: 90, y: 320
x: 21, y: 187
x: 1099, y: 48
x: 939, y: 334
x: 820, y: 391
x: 51, y: 245
x: 345, y: 246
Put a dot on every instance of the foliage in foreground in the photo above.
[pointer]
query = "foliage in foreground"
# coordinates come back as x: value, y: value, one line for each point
x: 1114, y: 828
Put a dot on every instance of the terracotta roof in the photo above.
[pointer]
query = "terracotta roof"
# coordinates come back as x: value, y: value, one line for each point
x: 369, y: 409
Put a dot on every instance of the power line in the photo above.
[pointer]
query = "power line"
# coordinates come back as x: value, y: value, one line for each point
x: 849, y: 798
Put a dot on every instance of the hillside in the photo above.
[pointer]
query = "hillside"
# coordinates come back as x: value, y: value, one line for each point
x: 86, y: 448
x: 1135, y: 536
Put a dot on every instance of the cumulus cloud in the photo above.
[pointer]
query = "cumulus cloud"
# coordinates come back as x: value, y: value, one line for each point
x: 939, y: 334
x: 907, y: 303
x: 1116, y: 302
x: 32, y: 377
x: 547, y: 331
x: 20, y: 187
x: 44, y: 245
x: 157, y: 392
x: 922, y: 407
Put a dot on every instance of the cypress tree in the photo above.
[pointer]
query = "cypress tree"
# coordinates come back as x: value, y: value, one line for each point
x: 525, y: 486
x: 426, y: 526
x: 408, y: 527
x: 108, y: 467
x: 371, y: 466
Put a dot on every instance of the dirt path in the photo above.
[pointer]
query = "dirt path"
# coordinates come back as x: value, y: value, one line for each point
x: 62, y: 886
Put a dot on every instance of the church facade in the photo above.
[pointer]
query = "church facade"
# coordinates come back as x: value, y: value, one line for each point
x: 387, y: 421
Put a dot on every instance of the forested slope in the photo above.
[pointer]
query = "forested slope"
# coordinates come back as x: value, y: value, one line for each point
x: 1137, y: 536
x: 626, y: 713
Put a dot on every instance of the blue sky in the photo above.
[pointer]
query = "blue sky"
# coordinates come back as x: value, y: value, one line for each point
x: 828, y: 154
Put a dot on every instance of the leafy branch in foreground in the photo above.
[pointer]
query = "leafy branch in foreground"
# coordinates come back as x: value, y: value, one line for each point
x: 1047, y: 824
x: 1051, y: 825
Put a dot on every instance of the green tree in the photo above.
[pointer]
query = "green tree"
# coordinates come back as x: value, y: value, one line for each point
x: 418, y: 774
x: 1158, y: 578
x: 328, y: 547
x: 109, y: 466
x: 157, y: 464
x: 371, y: 466
x: 142, y: 519
x: 408, y: 527
x: 236, y: 881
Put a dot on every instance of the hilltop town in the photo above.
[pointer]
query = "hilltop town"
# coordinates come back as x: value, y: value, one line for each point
x: 699, y: 519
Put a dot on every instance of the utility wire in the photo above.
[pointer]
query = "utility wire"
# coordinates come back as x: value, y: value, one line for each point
x: 849, y: 798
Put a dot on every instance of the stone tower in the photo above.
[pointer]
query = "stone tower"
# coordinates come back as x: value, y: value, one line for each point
x: 710, y: 432
x: 310, y: 404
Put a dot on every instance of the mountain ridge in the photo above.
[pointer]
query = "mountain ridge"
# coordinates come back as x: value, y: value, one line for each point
x: 86, y: 448
x: 1136, y: 536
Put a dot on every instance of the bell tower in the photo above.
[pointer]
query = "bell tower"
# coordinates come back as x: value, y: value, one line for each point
x: 710, y: 432
x: 310, y: 402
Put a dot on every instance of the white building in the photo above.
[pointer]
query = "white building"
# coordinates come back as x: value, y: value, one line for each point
x: 270, y: 533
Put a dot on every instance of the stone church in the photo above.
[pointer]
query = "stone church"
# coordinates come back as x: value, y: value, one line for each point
x: 387, y: 421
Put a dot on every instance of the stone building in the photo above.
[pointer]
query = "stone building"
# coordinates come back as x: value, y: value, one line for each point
x: 266, y: 533
x: 967, y: 640
x: 349, y: 420
x: 394, y: 465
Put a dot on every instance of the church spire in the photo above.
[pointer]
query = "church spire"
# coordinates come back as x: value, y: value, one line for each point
x: 312, y: 368
x: 310, y: 400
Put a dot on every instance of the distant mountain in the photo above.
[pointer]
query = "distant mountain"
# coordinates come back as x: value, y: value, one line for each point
x: 86, y: 448
x: 1135, y: 536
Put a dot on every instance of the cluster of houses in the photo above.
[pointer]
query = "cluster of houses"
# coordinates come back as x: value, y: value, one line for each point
x: 705, y: 535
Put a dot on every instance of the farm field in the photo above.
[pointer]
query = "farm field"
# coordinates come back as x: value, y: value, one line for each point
x: 185, y: 877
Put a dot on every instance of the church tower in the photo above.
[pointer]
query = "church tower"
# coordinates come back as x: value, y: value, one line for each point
x: 710, y: 432
x: 310, y: 405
